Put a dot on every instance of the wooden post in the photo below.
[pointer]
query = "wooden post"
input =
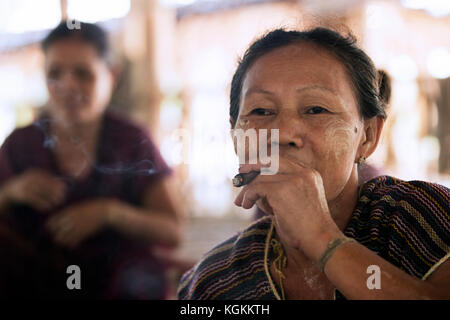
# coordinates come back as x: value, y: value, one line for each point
x: 443, y: 132
x: 63, y: 4
x: 139, y: 42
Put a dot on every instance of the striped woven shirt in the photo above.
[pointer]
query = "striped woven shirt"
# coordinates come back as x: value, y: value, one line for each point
x: 405, y: 222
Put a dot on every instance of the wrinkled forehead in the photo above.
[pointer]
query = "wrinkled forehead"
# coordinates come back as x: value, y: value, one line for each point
x: 71, y: 51
x: 299, y: 65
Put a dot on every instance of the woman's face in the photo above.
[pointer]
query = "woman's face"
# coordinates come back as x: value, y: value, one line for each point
x: 78, y: 80
x: 304, y: 91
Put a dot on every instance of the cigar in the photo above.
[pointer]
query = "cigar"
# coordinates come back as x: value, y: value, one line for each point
x: 242, y: 179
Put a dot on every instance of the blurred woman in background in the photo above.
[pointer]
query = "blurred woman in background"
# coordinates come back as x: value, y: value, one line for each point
x: 82, y: 186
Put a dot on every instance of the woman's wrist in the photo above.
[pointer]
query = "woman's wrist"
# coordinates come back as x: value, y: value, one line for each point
x: 332, y: 247
x: 114, y: 213
x: 323, y: 242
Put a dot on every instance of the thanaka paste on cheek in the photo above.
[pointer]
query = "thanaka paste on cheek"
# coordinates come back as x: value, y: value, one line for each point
x: 339, y: 138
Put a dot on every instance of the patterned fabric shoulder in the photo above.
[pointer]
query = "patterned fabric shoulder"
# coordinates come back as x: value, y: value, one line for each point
x: 232, y: 270
x: 405, y: 222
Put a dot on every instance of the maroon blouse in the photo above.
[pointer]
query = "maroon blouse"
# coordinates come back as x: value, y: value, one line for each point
x: 127, y: 163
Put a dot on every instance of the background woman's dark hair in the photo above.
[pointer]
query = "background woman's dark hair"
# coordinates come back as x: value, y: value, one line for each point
x: 87, y: 32
x: 372, y: 88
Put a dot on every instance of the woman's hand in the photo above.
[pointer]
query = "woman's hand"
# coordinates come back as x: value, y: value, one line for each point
x: 78, y: 222
x: 158, y: 221
x: 36, y: 188
x: 295, y: 196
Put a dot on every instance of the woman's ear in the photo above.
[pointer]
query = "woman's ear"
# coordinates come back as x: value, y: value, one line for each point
x: 116, y: 71
x: 371, y: 137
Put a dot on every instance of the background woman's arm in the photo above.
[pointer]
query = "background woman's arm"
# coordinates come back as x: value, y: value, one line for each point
x: 35, y: 188
x: 160, y: 220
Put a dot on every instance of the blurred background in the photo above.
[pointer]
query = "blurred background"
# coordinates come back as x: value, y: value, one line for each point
x: 177, y: 58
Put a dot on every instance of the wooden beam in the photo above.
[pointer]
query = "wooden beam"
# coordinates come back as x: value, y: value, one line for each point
x: 63, y: 5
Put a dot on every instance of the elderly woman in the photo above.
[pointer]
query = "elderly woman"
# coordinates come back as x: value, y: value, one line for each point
x: 83, y: 187
x: 324, y: 236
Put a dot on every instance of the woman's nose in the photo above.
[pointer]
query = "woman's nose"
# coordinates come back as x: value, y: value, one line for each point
x: 67, y: 82
x: 291, y: 130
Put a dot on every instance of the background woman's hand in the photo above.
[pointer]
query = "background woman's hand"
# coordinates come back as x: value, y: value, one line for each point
x: 36, y: 188
x: 295, y: 196
x: 80, y: 221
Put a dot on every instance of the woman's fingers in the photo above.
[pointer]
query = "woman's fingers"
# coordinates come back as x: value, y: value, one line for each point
x: 67, y: 238
x: 64, y: 230
x: 38, y: 198
x: 58, y: 189
x: 40, y: 190
x: 35, y: 196
x: 240, y: 196
x: 251, y: 196
x: 40, y: 203
x: 244, y: 168
x: 60, y: 221
x: 71, y: 226
x: 286, y: 165
x: 248, y: 196
x: 289, y: 170
x: 52, y: 188
x: 290, y: 173
x: 253, y: 192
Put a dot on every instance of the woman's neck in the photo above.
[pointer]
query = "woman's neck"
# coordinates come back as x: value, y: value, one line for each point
x: 341, y: 208
x: 76, y: 132
x: 76, y: 147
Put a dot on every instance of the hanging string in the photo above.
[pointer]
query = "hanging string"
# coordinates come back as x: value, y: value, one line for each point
x: 279, y: 263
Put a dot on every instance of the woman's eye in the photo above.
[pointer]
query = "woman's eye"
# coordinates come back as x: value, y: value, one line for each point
x: 261, y: 112
x: 316, y: 110
x: 54, y: 73
x: 82, y: 74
